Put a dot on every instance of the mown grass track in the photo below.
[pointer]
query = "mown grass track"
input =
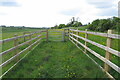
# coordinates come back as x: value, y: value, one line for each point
x: 56, y: 60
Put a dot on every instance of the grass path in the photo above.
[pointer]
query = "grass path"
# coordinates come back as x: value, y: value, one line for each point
x: 56, y: 60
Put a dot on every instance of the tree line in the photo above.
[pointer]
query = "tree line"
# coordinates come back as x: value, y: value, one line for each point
x: 72, y: 23
x: 101, y: 25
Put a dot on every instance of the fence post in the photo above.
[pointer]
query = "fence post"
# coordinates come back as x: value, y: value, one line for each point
x: 108, y: 54
x: 15, y: 44
x: 69, y: 33
x: 86, y: 37
x: 47, y: 35
x: 77, y: 33
x: 24, y: 36
x: 30, y: 39
x: 63, y: 35
x: 72, y: 35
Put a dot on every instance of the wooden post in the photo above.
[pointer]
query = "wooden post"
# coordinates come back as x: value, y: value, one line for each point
x: 86, y: 36
x: 30, y: 39
x: 72, y: 35
x: 15, y: 44
x: 77, y: 33
x: 63, y: 35
x: 108, y: 54
x: 47, y: 35
x: 23, y: 35
x: 69, y: 33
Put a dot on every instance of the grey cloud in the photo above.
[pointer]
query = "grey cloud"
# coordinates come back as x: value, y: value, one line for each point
x: 101, y: 3
x: 9, y: 3
x: 105, y: 6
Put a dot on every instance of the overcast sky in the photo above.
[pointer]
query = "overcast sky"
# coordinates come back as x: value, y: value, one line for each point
x: 47, y: 13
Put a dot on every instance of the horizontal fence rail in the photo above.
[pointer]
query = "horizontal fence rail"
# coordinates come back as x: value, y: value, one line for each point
x: 16, y: 46
x: 74, y: 37
x: 115, y: 67
x: 6, y: 62
x: 13, y: 48
x: 115, y: 36
x: 11, y: 39
x: 115, y: 52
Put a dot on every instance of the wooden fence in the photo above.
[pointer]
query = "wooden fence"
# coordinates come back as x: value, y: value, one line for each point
x: 72, y: 37
x: 109, y: 51
x: 37, y: 39
x: 58, y: 35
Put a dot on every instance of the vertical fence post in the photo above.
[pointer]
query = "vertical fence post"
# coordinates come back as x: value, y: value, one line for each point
x: 86, y: 37
x: 72, y: 35
x: 30, y: 39
x: 63, y: 35
x: 69, y: 33
x: 77, y: 33
x: 47, y: 35
x: 108, y: 54
x: 24, y: 36
x: 15, y: 44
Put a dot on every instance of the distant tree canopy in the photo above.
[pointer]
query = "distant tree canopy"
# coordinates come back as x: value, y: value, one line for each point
x: 105, y: 24
x: 73, y: 23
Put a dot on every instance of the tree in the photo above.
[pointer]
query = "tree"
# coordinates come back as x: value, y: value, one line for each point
x: 104, y: 24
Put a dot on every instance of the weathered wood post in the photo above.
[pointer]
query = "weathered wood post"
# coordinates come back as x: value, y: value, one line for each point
x: 108, y: 54
x: 72, y: 35
x: 24, y: 36
x: 77, y: 33
x: 30, y: 37
x: 15, y: 44
x: 63, y: 35
x: 47, y: 35
x: 86, y: 37
x: 69, y: 33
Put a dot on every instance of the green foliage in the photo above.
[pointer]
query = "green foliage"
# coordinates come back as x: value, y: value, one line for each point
x: 105, y: 24
x: 70, y: 24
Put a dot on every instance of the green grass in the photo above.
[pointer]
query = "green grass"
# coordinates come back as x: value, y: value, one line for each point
x: 102, y: 40
x: 56, y: 60
x: 9, y: 32
x: 72, y: 51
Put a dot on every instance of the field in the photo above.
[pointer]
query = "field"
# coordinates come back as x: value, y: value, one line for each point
x: 9, y: 32
x: 67, y: 61
x: 56, y: 60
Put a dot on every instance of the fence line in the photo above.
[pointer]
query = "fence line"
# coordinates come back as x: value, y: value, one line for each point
x: 115, y: 52
x: 114, y: 36
x: 93, y: 61
x: 16, y: 46
x: 108, y: 49
x: 72, y: 37
x: 13, y: 38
